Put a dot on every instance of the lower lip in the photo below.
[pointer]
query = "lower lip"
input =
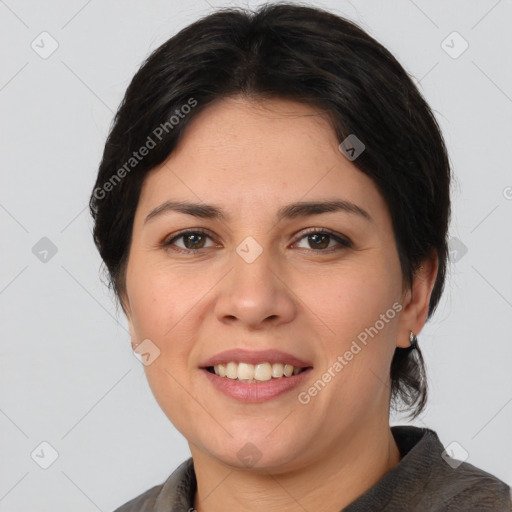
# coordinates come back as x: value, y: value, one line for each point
x: 256, y: 391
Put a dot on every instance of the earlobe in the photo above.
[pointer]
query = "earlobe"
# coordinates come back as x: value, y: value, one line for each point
x: 132, y: 333
x: 417, y: 301
x: 127, y: 311
x: 133, y: 337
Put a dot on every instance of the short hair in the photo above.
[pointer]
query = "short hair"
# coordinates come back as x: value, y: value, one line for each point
x: 309, y: 55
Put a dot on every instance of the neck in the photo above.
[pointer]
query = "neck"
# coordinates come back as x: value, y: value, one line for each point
x: 330, y: 483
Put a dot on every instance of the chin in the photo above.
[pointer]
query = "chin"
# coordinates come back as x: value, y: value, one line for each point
x: 256, y: 452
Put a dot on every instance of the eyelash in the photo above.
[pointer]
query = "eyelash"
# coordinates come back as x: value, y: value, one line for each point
x: 345, y: 243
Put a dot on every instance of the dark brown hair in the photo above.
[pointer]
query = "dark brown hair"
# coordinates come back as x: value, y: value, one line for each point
x: 308, y: 55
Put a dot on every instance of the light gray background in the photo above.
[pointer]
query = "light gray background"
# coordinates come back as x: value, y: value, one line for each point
x: 68, y: 376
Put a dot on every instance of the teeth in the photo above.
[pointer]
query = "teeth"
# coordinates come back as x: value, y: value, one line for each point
x: 245, y: 371
x: 231, y: 371
x: 261, y: 372
x: 277, y: 370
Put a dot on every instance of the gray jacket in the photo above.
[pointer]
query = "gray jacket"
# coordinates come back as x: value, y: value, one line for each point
x: 425, y: 480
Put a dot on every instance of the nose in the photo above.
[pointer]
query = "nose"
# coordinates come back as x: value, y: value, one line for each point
x: 256, y: 295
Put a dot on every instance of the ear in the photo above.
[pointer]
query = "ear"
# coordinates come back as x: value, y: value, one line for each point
x: 125, y: 305
x: 416, y: 300
x: 132, y: 332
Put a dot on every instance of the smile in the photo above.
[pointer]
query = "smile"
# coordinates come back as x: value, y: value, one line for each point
x: 252, y: 373
x: 252, y: 390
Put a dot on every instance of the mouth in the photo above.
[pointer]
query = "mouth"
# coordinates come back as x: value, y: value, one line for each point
x: 255, y: 373
x: 254, y: 377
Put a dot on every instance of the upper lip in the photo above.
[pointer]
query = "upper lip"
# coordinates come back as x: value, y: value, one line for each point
x: 254, y: 357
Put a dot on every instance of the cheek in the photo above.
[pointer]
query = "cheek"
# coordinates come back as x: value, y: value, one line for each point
x: 359, y: 309
x: 162, y: 311
x: 354, y: 300
x: 145, y: 307
x: 157, y: 301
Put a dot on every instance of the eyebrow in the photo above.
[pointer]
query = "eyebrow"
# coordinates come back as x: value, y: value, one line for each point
x: 290, y: 211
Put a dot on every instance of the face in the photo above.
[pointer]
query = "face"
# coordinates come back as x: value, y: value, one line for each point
x: 254, y: 274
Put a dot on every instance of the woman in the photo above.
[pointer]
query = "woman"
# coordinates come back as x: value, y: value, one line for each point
x: 272, y: 207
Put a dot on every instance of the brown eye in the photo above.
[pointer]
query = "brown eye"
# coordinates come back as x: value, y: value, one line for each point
x: 194, y: 241
x: 319, y: 241
x: 189, y: 241
x: 326, y: 241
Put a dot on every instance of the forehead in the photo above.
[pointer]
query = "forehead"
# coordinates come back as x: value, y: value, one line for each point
x: 259, y: 128
x: 247, y: 154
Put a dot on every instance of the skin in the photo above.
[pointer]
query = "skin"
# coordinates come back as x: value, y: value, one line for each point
x: 251, y: 158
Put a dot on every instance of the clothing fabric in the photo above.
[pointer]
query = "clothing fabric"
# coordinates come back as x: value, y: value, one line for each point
x: 425, y: 480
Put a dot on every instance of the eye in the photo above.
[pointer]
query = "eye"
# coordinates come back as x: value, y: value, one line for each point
x: 320, y: 240
x: 192, y: 240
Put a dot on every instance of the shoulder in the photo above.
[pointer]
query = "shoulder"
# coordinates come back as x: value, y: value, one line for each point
x: 467, y: 487
x: 177, y: 491
x: 447, y: 484
x: 145, y: 502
